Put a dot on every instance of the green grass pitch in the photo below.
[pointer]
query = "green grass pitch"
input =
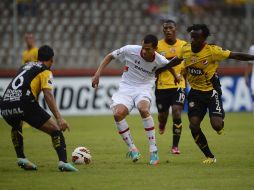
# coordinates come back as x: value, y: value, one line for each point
x: 110, y: 169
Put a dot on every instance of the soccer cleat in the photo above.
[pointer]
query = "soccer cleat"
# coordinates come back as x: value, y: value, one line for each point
x: 154, y: 158
x: 175, y: 150
x: 26, y: 164
x: 209, y: 160
x: 161, y: 129
x: 134, y: 155
x: 66, y: 167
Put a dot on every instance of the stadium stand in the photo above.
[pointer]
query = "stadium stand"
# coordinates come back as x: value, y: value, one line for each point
x: 82, y: 32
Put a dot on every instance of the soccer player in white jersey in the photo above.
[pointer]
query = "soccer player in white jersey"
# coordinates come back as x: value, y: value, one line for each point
x: 135, y: 90
x: 250, y: 80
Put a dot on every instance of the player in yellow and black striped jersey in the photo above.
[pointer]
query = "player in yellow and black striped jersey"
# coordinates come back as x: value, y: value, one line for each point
x: 19, y: 103
x: 167, y: 92
x: 201, y: 62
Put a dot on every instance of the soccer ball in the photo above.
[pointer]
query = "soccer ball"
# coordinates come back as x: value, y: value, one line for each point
x: 81, y: 155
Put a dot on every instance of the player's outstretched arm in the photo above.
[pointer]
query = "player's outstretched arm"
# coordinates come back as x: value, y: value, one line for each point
x: 173, y: 62
x: 103, y: 64
x: 241, y: 56
x: 50, y: 100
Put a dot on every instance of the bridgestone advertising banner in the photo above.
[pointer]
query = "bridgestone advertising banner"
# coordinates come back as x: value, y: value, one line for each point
x: 75, y: 96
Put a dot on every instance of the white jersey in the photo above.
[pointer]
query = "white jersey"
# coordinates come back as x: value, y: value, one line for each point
x: 251, y: 51
x: 137, y: 71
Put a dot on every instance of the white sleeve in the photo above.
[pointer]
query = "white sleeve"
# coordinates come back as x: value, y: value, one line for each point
x: 120, y: 53
x: 162, y: 61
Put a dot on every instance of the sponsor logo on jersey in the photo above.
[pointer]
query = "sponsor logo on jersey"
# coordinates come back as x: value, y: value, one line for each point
x: 12, y: 95
x: 143, y: 70
x: 195, y: 71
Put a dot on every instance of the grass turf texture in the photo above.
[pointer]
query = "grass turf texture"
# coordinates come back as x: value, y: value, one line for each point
x: 110, y: 169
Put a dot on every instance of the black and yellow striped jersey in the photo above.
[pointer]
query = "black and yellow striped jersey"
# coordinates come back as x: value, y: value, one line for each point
x: 200, y: 67
x: 28, y: 82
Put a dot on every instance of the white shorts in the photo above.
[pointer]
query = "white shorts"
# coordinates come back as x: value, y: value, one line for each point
x: 130, y: 96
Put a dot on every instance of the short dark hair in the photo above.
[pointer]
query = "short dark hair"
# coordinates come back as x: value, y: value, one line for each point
x: 169, y: 21
x: 151, y: 39
x: 45, y: 53
x: 202, y: 27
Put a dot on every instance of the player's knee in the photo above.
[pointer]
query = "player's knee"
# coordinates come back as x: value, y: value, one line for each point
x: 217, y: 125
x: 144, y: 112
x: 119, y: 116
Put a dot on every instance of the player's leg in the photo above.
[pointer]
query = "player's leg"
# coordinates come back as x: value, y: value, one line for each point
x: 14, y: 120
x: 178, y: 99
x: 216, y: 112
x: 40, y: 119
x: 196, y: 112
x: 162, y: 103
x: 177, y: 127
x: 50, y: 127
x: 144, y: 110
x: 122, y: 105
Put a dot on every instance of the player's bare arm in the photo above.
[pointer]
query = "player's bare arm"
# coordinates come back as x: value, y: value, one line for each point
x: 241, y: 56
x: 103, y: 64
x: 50, y: 100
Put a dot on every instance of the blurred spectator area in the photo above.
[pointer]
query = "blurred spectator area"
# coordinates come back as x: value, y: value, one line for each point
x: 82, y: 32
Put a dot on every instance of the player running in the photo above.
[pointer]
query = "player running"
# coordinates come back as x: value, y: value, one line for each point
x: 135, y: 90
x: 168, y: 93
x: 19, y: 103
x: 201, y: 62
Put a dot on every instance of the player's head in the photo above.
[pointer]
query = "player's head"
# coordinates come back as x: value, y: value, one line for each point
x: 45, y: 55
x: 169, y: 29
x: 149, y: 46
x: 198, y: 34
x: 29, y: 39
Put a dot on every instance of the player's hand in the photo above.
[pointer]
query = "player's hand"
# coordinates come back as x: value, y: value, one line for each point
x: 95, y: 81
x: 178, y: 79
x: 63, y: 124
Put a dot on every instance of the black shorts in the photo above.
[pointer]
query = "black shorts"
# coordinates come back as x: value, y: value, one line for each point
x: 168, y: 97
x: 28, y: 111
x: 200, y: 101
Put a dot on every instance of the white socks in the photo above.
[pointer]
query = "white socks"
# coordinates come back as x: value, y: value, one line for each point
x: 149, y: 127
x: 124, y: 131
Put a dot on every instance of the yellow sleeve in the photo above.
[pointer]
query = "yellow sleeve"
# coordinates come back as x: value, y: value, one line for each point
x: 219, y: 54
x: 46, y: 79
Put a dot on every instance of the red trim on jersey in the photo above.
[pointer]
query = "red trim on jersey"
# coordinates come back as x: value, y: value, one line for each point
x: 149, y: 129
x: 121, y: 132
x: 125, y: 69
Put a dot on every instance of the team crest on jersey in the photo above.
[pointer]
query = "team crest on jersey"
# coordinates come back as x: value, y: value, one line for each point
x: 205, y: 62
x: 163, y: 53
x: 172, y: 50
x: 193, y: 59
x: 137, y: 61
x: 191, y: 104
